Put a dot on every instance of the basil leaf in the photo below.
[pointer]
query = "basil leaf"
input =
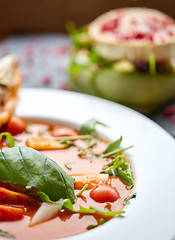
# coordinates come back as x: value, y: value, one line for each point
x: 28, y: 167
x: 9, y: 137
x: 89, y: 127
x: 5, y: 234
x: 113, y: 146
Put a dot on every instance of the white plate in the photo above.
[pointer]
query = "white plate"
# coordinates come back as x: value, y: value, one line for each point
x: 151, y: 216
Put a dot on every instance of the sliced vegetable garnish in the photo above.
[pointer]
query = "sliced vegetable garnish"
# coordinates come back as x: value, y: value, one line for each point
x: 113, y: 146
x: 45, y: 212
x: 122, y: 169
x: 9, y: 137
x: 5, y: 234
x: 89, y: 127
x: 26, y: 166
x: 66, y: 203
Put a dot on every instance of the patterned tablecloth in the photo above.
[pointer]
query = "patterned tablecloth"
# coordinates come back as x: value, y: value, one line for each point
x: 43, y: 60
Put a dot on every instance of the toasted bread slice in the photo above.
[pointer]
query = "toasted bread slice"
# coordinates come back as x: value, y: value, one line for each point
x: 10, y: 81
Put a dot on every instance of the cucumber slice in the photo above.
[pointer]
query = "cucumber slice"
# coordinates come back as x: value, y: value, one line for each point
x: 135, y: 89
x: 83, y: 81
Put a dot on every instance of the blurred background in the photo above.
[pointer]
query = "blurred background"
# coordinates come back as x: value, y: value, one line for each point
x: 35, y: 31
x: 51, y: 15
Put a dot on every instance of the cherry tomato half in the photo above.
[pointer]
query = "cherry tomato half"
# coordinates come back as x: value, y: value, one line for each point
x: 63, y: 132
x: 16, y: 125
x: 104, y: 193
x: 11, y: 197
x: 8, y: 213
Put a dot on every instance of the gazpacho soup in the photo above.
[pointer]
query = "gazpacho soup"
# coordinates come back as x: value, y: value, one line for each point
x: 57, y: 181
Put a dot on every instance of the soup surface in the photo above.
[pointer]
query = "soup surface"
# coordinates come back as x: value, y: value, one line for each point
x: 85, y: 160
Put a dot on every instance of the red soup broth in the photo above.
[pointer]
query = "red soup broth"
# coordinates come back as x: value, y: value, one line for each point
x: 66, y: 223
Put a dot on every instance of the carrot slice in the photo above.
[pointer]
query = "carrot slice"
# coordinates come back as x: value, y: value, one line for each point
x: 8, y: 196
x: 44, y: 144
x: 8, y: 213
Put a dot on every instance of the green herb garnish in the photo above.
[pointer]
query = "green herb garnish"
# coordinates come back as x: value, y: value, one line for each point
x: 92, y: 226
x: 90, y: 145
x: 68, y: 166
x: 68, y: 141
x: 101, y: 221
x: 73, y: 138
x: 106, y: 213
x: 25, y: 166
x: 121, y: 169
x: 113, y: 146
x: 5, y: 234
x: 127, y: 200
x: 9, y: 137
x: 114, y: 152
x: 82, y: 190
x: 66, y: 203
x: 89, y: 127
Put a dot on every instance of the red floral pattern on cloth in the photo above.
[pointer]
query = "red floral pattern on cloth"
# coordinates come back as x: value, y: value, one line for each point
x: 43, y: 58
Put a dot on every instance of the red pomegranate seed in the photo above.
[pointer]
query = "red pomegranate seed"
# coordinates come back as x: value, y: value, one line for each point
x: 47, y: 80
x: 173, y: 119
x: 169, y: 111
x: 111, y: 25
x: 63, y: 86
